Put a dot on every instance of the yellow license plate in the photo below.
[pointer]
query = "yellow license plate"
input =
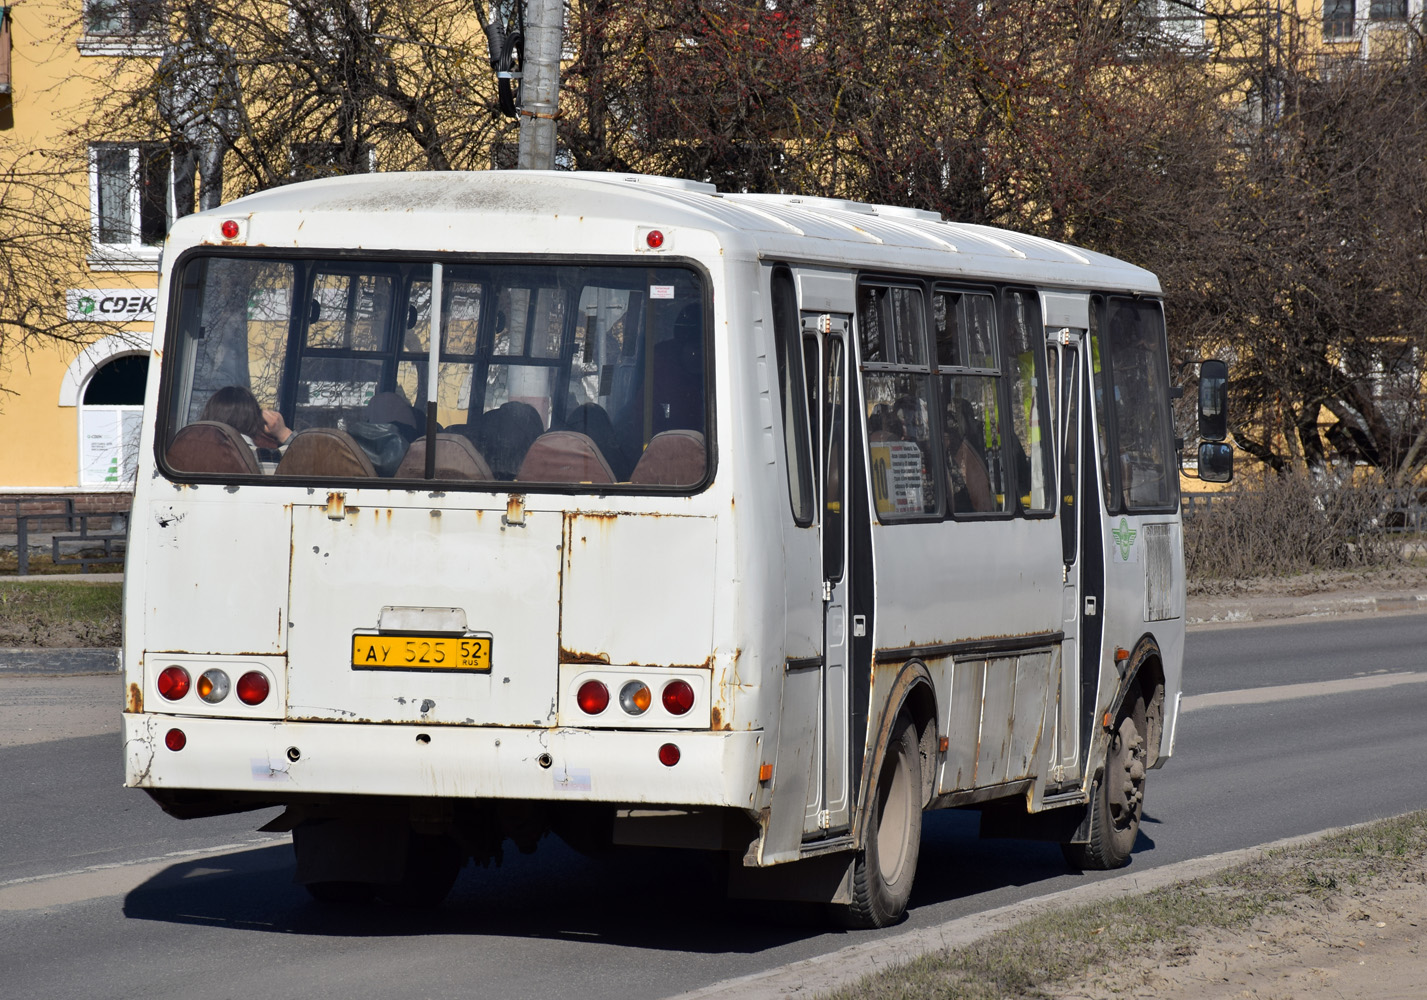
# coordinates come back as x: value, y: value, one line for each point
x: 421, y: 652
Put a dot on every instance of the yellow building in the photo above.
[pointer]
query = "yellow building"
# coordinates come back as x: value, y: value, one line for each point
x: 70, y: 412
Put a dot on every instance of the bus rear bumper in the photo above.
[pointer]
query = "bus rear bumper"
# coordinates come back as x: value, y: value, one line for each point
x: 284, y: 760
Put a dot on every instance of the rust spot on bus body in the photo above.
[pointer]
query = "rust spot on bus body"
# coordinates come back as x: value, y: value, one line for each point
x: 573, y: 656
x: 135, y: 702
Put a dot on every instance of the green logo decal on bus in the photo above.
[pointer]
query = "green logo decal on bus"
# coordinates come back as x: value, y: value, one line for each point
x: 1124, y: 537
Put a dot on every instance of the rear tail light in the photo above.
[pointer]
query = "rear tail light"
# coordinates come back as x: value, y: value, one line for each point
x: 173, y: 683
x: 635, y: 698
x: 678, y: 697
x: 175, y: 740
x: 593, y: 697
x: 253, y: 688
x: 668, y: 755
x: 213, y: 686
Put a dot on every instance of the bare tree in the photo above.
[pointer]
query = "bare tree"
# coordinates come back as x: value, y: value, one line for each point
x: 308, y: 89
x: 44, y: 233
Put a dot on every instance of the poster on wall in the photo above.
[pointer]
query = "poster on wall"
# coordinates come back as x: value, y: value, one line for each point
x: 109, y: 444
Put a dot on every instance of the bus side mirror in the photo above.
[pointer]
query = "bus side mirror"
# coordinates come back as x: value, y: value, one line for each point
x: 1213, y: 401
x: 1216, y: 461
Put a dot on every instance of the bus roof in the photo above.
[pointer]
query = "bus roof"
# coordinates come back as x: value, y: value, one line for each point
x: 436, y: 211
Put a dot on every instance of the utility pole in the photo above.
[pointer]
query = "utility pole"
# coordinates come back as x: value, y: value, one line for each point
x: 540, y: 86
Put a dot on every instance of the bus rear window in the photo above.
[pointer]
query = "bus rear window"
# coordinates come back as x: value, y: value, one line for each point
x: 547, y: 375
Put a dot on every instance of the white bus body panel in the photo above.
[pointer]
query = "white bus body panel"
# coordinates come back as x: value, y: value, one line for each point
x: 721, y: 582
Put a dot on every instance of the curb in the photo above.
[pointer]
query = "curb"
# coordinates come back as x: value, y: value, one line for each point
x: 63, y: 578
x: 824, y: 973
x: 47, y: 662
x: 1310, y: 609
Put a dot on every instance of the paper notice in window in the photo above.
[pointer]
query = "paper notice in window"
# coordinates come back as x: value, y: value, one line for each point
x: 897, y: 483
x: 661, y: 291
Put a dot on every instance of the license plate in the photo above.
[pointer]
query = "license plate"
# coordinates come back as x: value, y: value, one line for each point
x: 421, y: 652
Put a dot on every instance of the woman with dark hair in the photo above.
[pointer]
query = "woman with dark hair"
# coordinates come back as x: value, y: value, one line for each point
x: 236, y: 406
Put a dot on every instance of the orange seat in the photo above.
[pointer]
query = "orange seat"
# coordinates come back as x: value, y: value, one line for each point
x: 213, y: 448
x: 325, y: 451
x: 456, y: 458
x: 564, y: 457
x: 673, y: 458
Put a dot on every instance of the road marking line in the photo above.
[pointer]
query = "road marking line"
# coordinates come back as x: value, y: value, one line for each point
x: 38, y: 892
x: 1286, y: 692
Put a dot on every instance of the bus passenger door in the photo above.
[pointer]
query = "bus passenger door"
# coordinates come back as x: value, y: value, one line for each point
x: 1067, y: 317
x: 825, y: 344
x: 1064, y: 350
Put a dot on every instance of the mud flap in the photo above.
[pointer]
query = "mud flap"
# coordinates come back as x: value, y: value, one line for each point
x: 1009, y: 819
x: 826, y: 878
x: 350, y: 851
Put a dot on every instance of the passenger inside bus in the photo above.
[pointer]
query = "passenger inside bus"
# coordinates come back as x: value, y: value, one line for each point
x: 504, y: 435
x: 263, y: 431
x: 970, y: 483
x: 388, y: 426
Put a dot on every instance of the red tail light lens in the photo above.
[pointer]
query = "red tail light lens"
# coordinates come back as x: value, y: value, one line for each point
x: 175, y: 740
x: 668, y: 755
x: 593, y: 697
x: 174, y: 683
x: 678, y: 697
x: 253, y: 688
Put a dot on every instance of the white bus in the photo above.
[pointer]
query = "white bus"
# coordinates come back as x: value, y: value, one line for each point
x: 478, y: 506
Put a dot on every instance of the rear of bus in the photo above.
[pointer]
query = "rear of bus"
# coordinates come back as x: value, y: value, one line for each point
x: 431, y: 599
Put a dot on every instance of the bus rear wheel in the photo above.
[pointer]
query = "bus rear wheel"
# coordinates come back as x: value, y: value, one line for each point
x: 883, y: 872
x: 1119, y: 798
x: 432, y: 863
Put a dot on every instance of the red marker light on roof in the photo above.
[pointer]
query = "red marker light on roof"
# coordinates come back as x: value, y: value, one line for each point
x: 230, y: 230
x: 655, y: 239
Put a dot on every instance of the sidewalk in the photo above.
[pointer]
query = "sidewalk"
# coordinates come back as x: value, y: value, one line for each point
x: 1310, y: 597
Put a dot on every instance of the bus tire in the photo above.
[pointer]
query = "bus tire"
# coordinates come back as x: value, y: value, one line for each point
x: 884, y: 869
x: 432, y: 864
x: 341, y: 893
x: 1118, y: 799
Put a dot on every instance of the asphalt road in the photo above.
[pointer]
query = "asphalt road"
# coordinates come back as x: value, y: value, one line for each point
x: 1288, y: 728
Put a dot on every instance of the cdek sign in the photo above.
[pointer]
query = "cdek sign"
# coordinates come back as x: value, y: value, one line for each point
x: 110, y: 305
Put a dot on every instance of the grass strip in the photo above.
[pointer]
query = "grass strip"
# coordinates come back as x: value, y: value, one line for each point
x: 60, y: 615
x: 1051, y: 950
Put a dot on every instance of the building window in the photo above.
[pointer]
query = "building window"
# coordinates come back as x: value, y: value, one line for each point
x: 122, y: 27
x: 1387, y: 10
x: 1180, y: 20
x: 1338, y: 18
x: 130, y: 202
x: 122, y: 17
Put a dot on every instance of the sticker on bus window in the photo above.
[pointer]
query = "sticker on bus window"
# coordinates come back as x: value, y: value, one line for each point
x: 661, y: 291
x: 897, y: 481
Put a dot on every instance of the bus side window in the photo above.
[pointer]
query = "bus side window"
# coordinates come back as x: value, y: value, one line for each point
x: 897, y: 385
x: 797, y: 444
x: 1024, y: 344
x: 970, y: 381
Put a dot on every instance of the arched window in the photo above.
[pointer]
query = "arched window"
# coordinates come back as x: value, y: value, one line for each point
x: 110, y: 418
